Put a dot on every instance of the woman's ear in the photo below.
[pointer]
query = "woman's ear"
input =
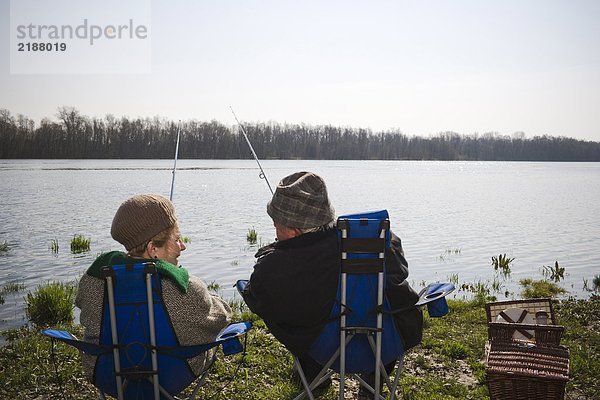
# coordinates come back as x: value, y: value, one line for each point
x: 150, y: 250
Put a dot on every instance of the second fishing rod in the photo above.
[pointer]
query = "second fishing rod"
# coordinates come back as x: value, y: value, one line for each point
x: 262, y: 172
x: 261, y: 175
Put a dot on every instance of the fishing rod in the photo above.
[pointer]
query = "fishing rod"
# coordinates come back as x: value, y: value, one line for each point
x: 262, y: 173
x: 175, y: 160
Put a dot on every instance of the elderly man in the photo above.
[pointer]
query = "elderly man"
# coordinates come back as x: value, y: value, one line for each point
x: 295, y: 279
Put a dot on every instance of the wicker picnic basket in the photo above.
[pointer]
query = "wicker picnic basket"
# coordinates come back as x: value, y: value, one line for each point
x: 548, y: 334
x: 534, y: 366
x: 532, y: 306
x: 515, y: 371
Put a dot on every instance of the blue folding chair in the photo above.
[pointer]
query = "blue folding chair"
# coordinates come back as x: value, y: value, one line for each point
x: 362, y: 321
x: 138, y: 356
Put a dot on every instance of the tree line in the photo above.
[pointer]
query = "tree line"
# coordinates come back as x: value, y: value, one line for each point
x: 76, y: 136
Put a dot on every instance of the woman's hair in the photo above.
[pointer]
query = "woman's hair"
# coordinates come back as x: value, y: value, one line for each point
x: 159, y: 240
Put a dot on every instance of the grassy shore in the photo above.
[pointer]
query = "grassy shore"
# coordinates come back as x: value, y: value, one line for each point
x: 447, y: 365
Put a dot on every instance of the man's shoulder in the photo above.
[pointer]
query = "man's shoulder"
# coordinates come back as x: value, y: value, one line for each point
x: 265, y: 250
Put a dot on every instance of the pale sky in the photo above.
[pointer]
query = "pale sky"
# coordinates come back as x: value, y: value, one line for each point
x: 422, y: 67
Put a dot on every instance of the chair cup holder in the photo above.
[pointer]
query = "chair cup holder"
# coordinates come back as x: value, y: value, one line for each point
x: 232, y: 346
x: 437, y: 308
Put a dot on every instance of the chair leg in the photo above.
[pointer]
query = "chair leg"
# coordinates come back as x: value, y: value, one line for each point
x: 166, y: 394
x: 382, y: 369
x: 370, y: 388
x: 202, y: 377
x: 399, y: 366
x: 307, y: 390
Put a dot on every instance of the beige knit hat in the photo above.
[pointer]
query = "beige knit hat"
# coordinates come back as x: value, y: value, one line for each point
x: 301, y: 201
x: 140, y: 218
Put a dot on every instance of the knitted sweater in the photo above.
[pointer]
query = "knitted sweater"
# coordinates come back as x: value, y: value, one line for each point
x: 197, y: 316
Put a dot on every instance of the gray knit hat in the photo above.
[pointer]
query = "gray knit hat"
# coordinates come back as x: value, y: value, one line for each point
x: 301, y: 201
x: 140, y: 218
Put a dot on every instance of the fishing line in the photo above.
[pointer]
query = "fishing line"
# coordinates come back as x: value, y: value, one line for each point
x: 262, y: 173
x: 175, y: 161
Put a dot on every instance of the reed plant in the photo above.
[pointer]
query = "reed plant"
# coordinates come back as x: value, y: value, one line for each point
x: 12, y: 287
x: 4, y: 247
x: 555, y: 273
x: 51, y: 304
x: 448, y: 254
x: 54, y: 246
x: 214, y: 287
x: 502, y: 264
x: 9, y: 288
x: 453, y: 278
x: 80, y: 244
x: 252, y: 236
x: 241, y: 312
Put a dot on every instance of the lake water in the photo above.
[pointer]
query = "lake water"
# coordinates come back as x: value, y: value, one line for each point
x: 452, y: 216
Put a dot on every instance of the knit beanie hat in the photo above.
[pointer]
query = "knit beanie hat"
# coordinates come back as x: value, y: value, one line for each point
x: 140, y: 218
x: 301, y: 201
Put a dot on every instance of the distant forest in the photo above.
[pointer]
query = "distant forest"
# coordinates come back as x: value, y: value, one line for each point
x: 76, y: 136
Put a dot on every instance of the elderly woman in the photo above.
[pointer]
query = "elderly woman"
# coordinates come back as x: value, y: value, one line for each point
x: 147, y: 226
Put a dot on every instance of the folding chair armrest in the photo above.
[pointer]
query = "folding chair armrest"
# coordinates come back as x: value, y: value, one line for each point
x: 235, y: 329
x: 434, y: 291
x: 230, y: 341
x: 434, y: 296
x: 84, y: 347
x: 59, y: 335
x: 241, y: 285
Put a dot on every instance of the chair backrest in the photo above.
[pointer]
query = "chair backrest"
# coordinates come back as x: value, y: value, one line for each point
x: 361, y: 297
x: 135, y: 321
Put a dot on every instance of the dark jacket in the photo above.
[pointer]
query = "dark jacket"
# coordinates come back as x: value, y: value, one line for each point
x: 294, y: 285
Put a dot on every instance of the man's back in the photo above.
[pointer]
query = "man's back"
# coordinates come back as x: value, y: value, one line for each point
x: 294, y: 285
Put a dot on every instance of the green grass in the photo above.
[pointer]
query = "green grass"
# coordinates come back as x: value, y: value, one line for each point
x: 447, y: 365
x: 540, y: 288
x: 80, y: 244
x: 51, y: 304
x: 27, y: 372
x: 581, y: 319
x: 264, y: 374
